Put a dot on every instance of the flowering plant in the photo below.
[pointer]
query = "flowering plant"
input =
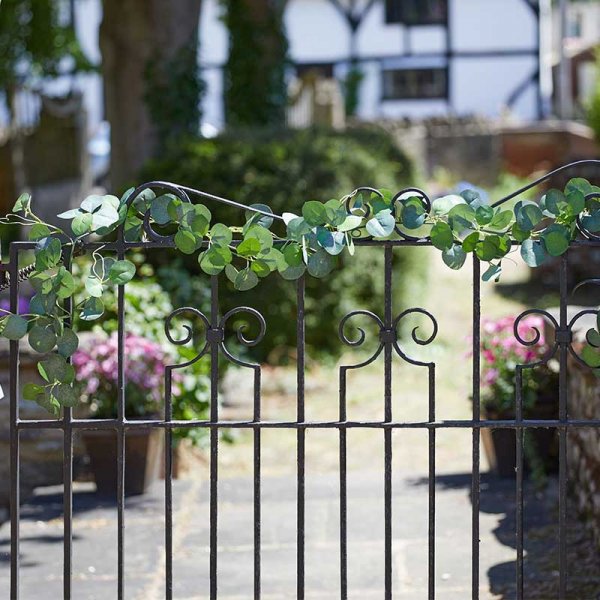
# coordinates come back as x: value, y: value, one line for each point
x: 96, y: 368
x: 501, y: 352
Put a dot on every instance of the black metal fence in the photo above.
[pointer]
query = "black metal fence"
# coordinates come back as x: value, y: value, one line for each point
x: 387, y: 323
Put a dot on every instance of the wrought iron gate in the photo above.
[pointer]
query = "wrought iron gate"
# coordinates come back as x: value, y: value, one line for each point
x: 387, y: 323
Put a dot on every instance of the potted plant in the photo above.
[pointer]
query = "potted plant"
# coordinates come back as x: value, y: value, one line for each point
x: 501, y: 352
x: 95, y: 362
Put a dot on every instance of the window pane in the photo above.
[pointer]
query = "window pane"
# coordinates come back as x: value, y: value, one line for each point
x: 407, y: 84
x: 416, y: 12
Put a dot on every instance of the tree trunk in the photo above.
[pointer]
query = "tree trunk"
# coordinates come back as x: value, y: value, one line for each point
x: 134, y: 36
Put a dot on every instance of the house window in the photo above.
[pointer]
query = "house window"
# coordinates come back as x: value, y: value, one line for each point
x: 321, y: 69
x: 416, y: 12
x: 411, y: 84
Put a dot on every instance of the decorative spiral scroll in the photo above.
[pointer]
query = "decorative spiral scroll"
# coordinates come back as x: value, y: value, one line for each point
x: 361, y: 336
x: 349, y: 199
x: 415, y: 337
x: 189, y: 331
x: 587, y: 311
x: 240, y: 334
x: 163, y: 185
x: 537, y: 334
x: 240, y: 330
x: 361, y: 331
x: 588, y: 235
x: 418, y: 192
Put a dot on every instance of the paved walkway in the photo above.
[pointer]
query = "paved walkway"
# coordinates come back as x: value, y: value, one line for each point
x: 94, y: 554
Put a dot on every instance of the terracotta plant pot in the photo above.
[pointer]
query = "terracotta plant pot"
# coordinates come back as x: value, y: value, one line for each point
x: 500, y: 444
x: 143, y: 449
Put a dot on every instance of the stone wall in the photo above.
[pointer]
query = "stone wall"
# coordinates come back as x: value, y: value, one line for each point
x: 583, y: 449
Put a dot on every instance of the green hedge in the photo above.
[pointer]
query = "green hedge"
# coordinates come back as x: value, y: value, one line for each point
x: 284, y: 169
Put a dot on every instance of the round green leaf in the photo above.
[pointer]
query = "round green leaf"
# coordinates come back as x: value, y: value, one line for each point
x: 484, y: 214
x: 258, y: 218
x: 501, y: 220
x: 66, y: 395
x: 94, y: 286
x: 263, y: 235
x: 533, y: 252
x: 159, y: 209
x: 231, y: 272
x: 462, y: 217
x: 454, y: 257
x: 314, y: 213
x: 413, y: 213
x: 528, y: 215
x: 493, y: 272
x: 67, y: 343
x: 591, y: 356
x: 442, y: 206
x: 14, y: 327
x: 93, y: 308
x: 441, y: 236
x: 220, y: 235
x: 320, y: 264
x: 593, y: 338
x: 382, y: 224
x: 31, y: 391
x: 48, y: 252
x: 246, y: 279
x: 42, y: 338
x: 185, y: 241
x: 39, y: 231
x: 556, y: 239
x: 121, y: 272
x: 82, y: 224
x: 215, y: 259
x: 63, y: 284
x: 55, y: 368
x: 292, y: 273
x: 350, y: 222
x: 249, y: 247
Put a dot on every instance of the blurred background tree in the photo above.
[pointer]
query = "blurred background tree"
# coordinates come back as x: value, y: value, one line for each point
x: 255, y: 83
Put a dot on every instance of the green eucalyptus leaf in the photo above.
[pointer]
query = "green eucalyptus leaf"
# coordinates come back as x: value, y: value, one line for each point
x: 231, y: 272
x: 215, y: 259
x: 249, y: 247
x: 350, y: 222
x: 93, y: 308
x: 263, y: 235
x: 382, y: 224
x: 579, y: 184
x: 552, y: 202
x: 67, y: 343
x: 66, y: 395
x: 335, y: 212
x: 533, y: 252
x: 320, y: 264
x: 591, y: 356
x: 519, y: 234
x: 121, y: 271
x: 461, y: 218
x: 42, y: 338
x: 314, y: 213
x: 32, y: 390
x: 185, y: 241
x: 39, y: 231
x: 220, y: 235
x: 593, y: 338
x: 484, y: 214
x: 92, y: 203
x: 493, y: 272
x: 159, y: 209
x: 454, y: 257
x: 48, y: 252
x: 55, y: 368
x: 245, y: 280
x: 133, y: 229
x: 470, y: 242
x: 94, y: 286
x: 292, y: 273
x: 23, y: 203
x: 576, y: 201
x: 413, y: 213
x: 260, y: 267
x: 442, y: 206
x: 258, y: 218
x: 293, y: 255
x: 82, y: 224
x: 528, y: 215
x: 591, y: 222
x: 501, y: 220
x: 441, y: 236
x: 556, y: 239
x: 14, y: 327
x: 41, y: 304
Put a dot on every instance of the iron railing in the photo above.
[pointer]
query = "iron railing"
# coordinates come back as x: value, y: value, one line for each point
x: 388, y: 345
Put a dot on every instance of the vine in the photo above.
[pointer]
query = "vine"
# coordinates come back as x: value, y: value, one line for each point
x: 457, y: 225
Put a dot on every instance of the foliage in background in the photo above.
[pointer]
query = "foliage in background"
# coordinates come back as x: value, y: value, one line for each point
x: 282, y: 169
x: 255, y: 87
x: 351, y: 85
x: 35, y: 39
x: 173, y: 94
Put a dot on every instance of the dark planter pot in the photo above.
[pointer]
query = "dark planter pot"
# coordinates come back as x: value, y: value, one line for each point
x: 143, y: 448
x: 501, y: 444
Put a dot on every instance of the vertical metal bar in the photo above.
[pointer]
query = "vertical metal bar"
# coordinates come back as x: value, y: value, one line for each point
x: 562, y: 434
x: 67, y: 477
x: 431, y: 532
x: 519, y: 435
x: 343, y: 491
x: 388, y: 256
x: 214, y: 437
x: 257, y: 486
x: 121, y: 429
x: 301, y: 437
x: 168, y: 487
x: 475, y: 476
x: 15, y: 485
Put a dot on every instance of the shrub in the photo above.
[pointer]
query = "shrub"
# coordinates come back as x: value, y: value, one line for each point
x: 593, y: 108
x: 284, y: 169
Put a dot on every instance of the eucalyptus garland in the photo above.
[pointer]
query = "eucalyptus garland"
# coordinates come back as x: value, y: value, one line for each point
x: 457, y: 225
